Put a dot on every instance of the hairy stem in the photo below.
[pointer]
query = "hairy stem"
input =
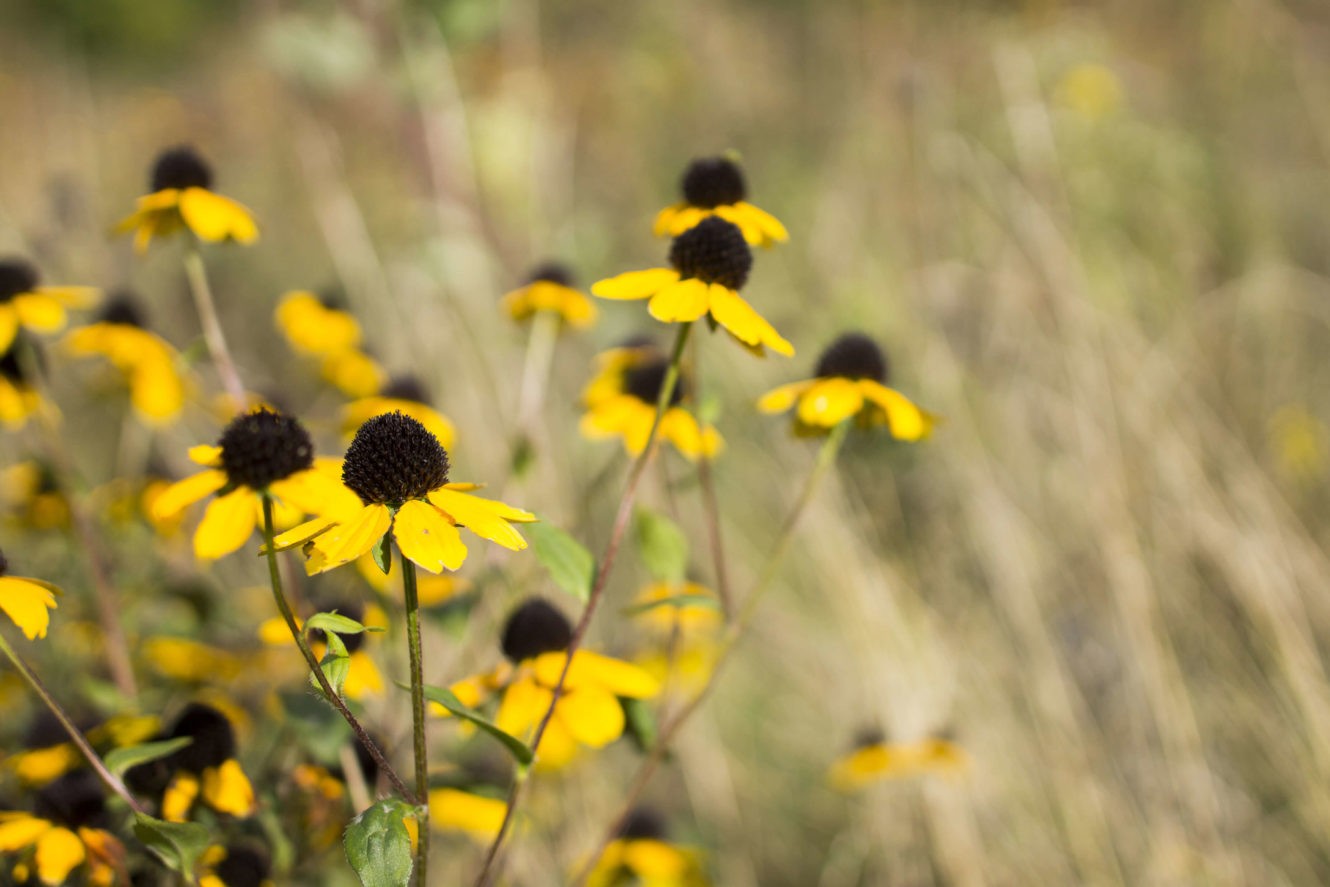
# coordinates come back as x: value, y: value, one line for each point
x: 417, y: 717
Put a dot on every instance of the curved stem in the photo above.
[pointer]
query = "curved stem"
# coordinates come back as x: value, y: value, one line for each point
x: 298, y: 634
x: 212, y: 325
x: 417, y: 716
x: 75, y: 735
x: 607, y: 559
x: 736, y: 631
x: 536, y: 368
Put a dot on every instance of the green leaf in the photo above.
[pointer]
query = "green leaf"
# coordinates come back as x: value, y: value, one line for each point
x: 383, y: 553
x: 378, y: 845
x: 177, y: 844
x: 639, y: 723
x: 520, y: 751
x: 663, y: 546
x: 119, y: 760
x: 569, y: 564
x: 317, y: 724
x: 675, y: 600
x: 335, y: 622
x: 336, y: 663
x: 709, y: 409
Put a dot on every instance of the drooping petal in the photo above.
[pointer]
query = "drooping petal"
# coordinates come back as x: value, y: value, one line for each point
x: 179, y: 797
x: 19, y: 830
x: 186, y: 492
x: 591, y: 715
x: 426, y: 536
x: 301, y: 534
x: 685, y: 217
x: 27, y: 604
x: 39, y: 312
x: 665, y: 219
x: 484, y: 517
x: 680, y: 302
x: 680, y: 428
x: 156, y: 390
x: 830, y: 401
x: 348, y: 541
x: 906, y: 420
x: 523, y: 705
x: 227, y: 524
x: 744, y: 323
x: 778, y: 400
x: 317, y: 492
x: 363, y: 677
x: 595, y: 670
x: 59, y: 852
x: 478, y: 816
x: 635, y: 284
x: 766, y: 227
x: 228, y: 790
x: 206, y: 454
x: 214, y: 217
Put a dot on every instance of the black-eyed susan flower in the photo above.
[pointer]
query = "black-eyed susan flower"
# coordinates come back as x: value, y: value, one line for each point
x: 849, y: 382
x: 684, y: 619
x: 403, y: 394
x: 181, y: 198
x: 363, y: 677
x: 317, y: 797
x: 874, y: 759
x: 714, y: 186
x: 259, y: 453
x: 550, y: 288
x: 235, y: 865
x: 48, y: 753
x: 41, y: 309
x: 399, y: 470
x: 709, y: 264
x: 26, y: 601
x: 32, y: 496
x: 64, y: 832
x: 18, y: 396
x: 206, y: 769
x: 148, y: 363
x: 316, y: 325
x: 629, y: 412
x: 535, y: 641
x: 353, y: 372
x: 642, y: 854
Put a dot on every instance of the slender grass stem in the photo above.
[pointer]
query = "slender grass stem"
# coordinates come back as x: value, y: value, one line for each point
x: 75, y: 735
x: 298, y: 634
x: 606, y: 564
x: 212, y: 325
x: 735, y: 632
x: 536, y: 368
x: 417, y: 717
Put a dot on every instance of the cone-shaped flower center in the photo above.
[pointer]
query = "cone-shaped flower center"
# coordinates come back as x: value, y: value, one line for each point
x: 643, y: 822
x: 405, y: 387
x: 710, y: 182
x: 392, y: 459
x: 262, y: 447
x: 552, y: 272
x: 16, y: 276
x: 75, y: 799
x: 853, y: 356
x: 214, y: 740
x: 645, y: 380
x: 181, y: 168
x: 122, y: 308
x: 713, y: 251
x: 535, y: 627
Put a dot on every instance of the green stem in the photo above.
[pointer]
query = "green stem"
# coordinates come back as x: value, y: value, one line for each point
x: 298, y: 634
x: 607, y: 559
x: 75, y: 735
x: 417, y: 716
x: 212, y: 325
x: 826, y: 458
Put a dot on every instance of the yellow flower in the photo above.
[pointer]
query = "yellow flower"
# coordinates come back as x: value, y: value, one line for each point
x: 181, y: 198
x: 535, y: 640
x: 205, y: 769
x: 642, y: 855
x: 27, y: 602
x: 714, y: 186
x: 1092, y: 90
x: 400, y: 472
x: 622, y: 403
x: 849, y: 382
x: 405, y: 395
x: 190, y: 661
x: 67, y: 835
x: 873, y: 759
x: 40, y: 309
x: 235, y: 865
x: 692, y: 607
x: 363, y: 677
x: 352, y: 372
x: 148, y: 363
x: 18, y: 397
x: 550, y: 288
x: 48, y: 753
x: 30, y: 489
x: 710, y: 262
x: 259, y: 454
x: 431, y: 590
x: 316, y: 325
x: 451, y: 809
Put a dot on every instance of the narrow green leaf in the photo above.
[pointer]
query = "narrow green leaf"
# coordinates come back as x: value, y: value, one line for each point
x: 378, y: 845
x: 675, y: 600
x: 639, y: 723
x: 119, y: 760
x: 383, y: 553
x: 663, y: 546
x: 336, y: 663
x: 177, y: 844
x: 569, y: 564
x: 335, y: 622
x: 520, y: 751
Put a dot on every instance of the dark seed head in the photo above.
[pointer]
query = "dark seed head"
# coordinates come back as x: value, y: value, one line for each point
x: 853, y: 356
x: 710, y: 182
x: 214, y: 740
x: 645, y: 380
x: 14, y: 369
x: 4, y: 564
x: 75, y: 799
x: 713, y: 251
x: 406, y: 387
x: 123, y: 308
x: 535, y: 627
x: 868, y: 737
x: 261, y: 447
x: 392, y: 459
x: 643, y: 822
x: 243, y: 866
x: 332, y: 298
x: 552, y: 272
x: 351, y: 610
x: 180, y: 167
x: 16, y: 276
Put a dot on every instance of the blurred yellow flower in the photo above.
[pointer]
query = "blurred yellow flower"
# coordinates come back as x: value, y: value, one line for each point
x: 621, y: 402
x: 1091, y: 90
x: 550, y: 288
x: 206, y: 769
x: 52, y: 846
x: 363, y: 677
x: 642, y: 855
x: 40, y: 309
x: 181, y: 198
x: 715, y: 186
x: 316, y: 325
x: 1301, y: 443
x: 451, y: 809
x: 27, y: 602
x: 148, y: 363
x: 873, y: 759
x: 405, y: 395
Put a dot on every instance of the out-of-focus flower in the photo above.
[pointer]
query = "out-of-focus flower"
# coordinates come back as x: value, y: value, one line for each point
x: 235, y: 865
x: 874, y: 759
x: 181, y: 198
x: 363, y: 677
x: 715, y: 186
x: 33, y: 497
x: 405, y: 395
x: 66, y: 830
x: 642, y: 854
x: 39, y: 309
x: 18, y: 396
x: 205, y: 769
x: 621, y: 402
x: 26, y: 601
x: 147, y: 362
x: 316, y: 325
x: 1091, y: 90
x: 550, y: 288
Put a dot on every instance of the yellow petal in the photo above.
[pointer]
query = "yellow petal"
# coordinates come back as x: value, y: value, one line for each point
x: 685, y: 217
x: 8, y: 326
x: 478, y: 816
x: 557, y: 749
x: 39, y: 766
x: 59, y: 852
x: 484, y: 517
x: 27, y: 604
x: 829, y: 402
x: 906, y: 421
x: 769, y: 227
x: 635, y: 284
x: 186, y: 492
x: 214, y: 217
x: 744, y: 323
x: 228, y: 790
x: 348, y: 541
x: 227, y: 524
x: 20, y: 830
x: 156, y: 390
x: 680, y: 302
x: 71, y: 296
x: 363, y: 677
x: 179, y: 797
x: 591, y: 715
x: 523, y: 705
x: 39, y: 312
x: 301, y: 534
x: 206, y: 454
x: 665, y: 219
x: 680, y: 428
x: 353, y: 372
x: 652, y: 859
x: 864, y: 766
x: 426, y: 537
x: 317, y: 492
x: 778, y: 400
x: 274, y: 632
x: 595, y: 670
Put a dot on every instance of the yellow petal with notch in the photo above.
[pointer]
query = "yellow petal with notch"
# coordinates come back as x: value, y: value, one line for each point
x: 426, y: 537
